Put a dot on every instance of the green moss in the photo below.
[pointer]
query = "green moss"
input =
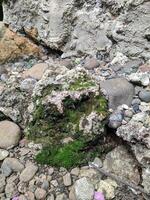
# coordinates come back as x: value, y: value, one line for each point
x: 83, y: 82
x: 49, y: 88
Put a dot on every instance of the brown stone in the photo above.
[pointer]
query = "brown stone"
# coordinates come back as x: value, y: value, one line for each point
x: 14, y: 46
x: 36, y: 71
x: 144, y: 68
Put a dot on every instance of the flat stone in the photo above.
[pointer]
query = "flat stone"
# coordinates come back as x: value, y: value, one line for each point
x: 28, y: 173
x: 91, y: 63
x: 36, y: 72
x: 67, y: 179
x: 11, y: 164
x: 9, y: 134
x: 75, y: 171
x: 3, y: 154
x: 119, y: 91
x: 84, y: 189
x: 121, y: 163
x: 40, y: 193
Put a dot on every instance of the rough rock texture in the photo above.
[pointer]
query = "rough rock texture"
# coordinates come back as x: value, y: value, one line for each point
x: 13, y: 46
x: 62, y: 25
x: 121, y: 163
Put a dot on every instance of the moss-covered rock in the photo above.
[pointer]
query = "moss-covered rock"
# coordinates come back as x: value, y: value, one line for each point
x: 70, y: 105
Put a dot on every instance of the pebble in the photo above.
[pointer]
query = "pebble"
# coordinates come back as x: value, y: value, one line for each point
x: 45, y: 185
x: 3, y: 154
x: 145, y: 96
x: 136, y: 108
x: 115, y: 120
x: 91, y: 63
x: 75, y: 171
x: 61, y: 197
x: 9, y: 134
x: 128, y: 113
x: 2, y: 183
x: 40, y: 194
x: 136, y: 101
x: 28, y: 84
x: 67, y: 179
x: 98, y: 162
x: 28, y: 173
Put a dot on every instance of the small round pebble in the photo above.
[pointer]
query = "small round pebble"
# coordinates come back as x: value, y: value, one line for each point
x: 145, y: 96
x: 40, y: 193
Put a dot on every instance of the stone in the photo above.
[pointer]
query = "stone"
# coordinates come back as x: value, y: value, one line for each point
x: 140, y: 78
x: 28, y: 84
x: 28, y: 173
x: 11, y: 164
x: 11, y: 190
x: 2, y: 183
x: 107, y: 187
x: 146, y: 179
x: 40, y: 193
x: 83, y: 189
x: 45, y: 185
x: 97, y: 161
x: 14, y: 46
x: 91, y: 63
x: 61, y: 197
x: 3, y: 154
x: 67, y: 179
x: 75, y: 171
x: 36, y: 71
x: 30, y: 195
x: 115, y: 119
x: 145, y: 96
x: 119, y: 91
x: 51, y: 197
x: 121, y: 163
x: 9, y: 134
x: 22, y: 197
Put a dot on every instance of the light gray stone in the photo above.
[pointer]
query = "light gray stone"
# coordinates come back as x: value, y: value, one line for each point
x: 67, y: 179
x: 40, y: 193
x: 121, y: 163
x: 84, y: 190
x: 145, y: 96
x: 3, y: 154
x: 28, y: 173
x: 119, y: 91
x: 146, y: 179
x: 2, y: 183
x: 9, y: 134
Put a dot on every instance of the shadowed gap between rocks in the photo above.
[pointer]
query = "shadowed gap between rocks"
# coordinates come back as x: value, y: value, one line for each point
x: 1, y: 12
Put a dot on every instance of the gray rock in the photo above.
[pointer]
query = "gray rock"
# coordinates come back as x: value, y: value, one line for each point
x: 61, y: 197
x: 40, y: 193
x: 136, y: 101
x: 119, y: 91
x: 97, y: 161
x: 84, y: 190
x: 45, y: 185
x: 128, y: 113
x: 28, y: 173
x: 2, y: 183
x: 121, y: 163
x: 11, y: 164
x: 145, y: 96
x: 67, y: 179
x: 9, y: 134
x: 146, y: 179
x: 11, y: 190
x: 115, y: 119
x: 28, y: 84
x: 91, y: 63
x: 3, y: 154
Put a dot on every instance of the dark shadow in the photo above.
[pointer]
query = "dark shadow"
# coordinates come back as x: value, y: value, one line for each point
x: 1, y: 12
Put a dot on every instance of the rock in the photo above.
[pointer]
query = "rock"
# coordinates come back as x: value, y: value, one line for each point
x: 140, y: 78
x: 22, y: 197
x: 121, y: 163
x: 9, y: 134
x: 75, y: 171
x: 30, y: 195
x: 28, y: 173
x: 11, y: 190
x: 72, y: 194
x: 146, y: 179
x: 136, y: 101
x: 3, y: 154
x: 122, y: 94
x: 91, y: 63
x: 128, y: 113
x: 36, y: 72
x: 145, y: 96
x: 50, y: 171
x: 98, y: 162
x: 115, y: 120
x: 40, y: 193
x: 83, y: 189
x: 67, y: 179
x: 51, y: 197
x: 2, y: 183
x: 107, y: 187
x: 28, y: 84
x: 13, y: 46
x: 11, y: 164
x: 61, y: 197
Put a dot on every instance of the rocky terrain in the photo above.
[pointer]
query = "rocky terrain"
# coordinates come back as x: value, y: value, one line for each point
x: 75, y: 100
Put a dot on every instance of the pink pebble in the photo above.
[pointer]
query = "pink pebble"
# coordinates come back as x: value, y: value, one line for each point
x: 98, y: 196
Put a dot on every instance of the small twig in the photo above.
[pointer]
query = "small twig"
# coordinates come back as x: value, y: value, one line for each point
x: 118, y: 179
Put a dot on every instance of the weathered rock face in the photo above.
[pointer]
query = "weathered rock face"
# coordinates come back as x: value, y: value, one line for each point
x: 13, y: 46
x: 66, y: 25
